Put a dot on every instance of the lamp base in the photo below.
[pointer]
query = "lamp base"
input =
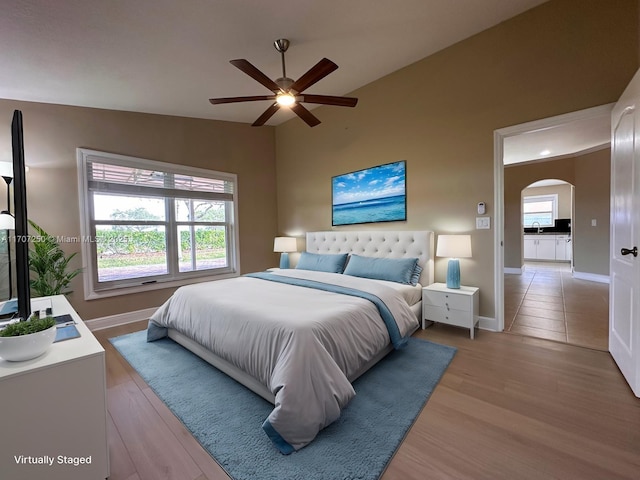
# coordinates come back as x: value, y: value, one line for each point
x: 453, y: 273
x: 284, y: 261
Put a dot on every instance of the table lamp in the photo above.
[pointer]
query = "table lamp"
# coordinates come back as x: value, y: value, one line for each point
x: 284, y: 245
x: 455, y: 247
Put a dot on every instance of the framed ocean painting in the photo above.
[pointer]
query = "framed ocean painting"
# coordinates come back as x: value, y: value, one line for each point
x: 376, y: 194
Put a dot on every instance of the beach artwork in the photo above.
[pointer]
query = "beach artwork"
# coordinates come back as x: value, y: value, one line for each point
x: 376, y: 194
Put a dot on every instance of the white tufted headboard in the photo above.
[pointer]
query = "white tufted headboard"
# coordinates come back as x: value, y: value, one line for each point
x: 388, y: 244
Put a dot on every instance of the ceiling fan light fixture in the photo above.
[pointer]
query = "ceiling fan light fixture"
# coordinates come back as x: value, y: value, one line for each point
x: 285, y: 99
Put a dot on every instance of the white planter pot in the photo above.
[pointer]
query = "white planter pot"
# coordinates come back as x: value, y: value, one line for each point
x: 26, y: 347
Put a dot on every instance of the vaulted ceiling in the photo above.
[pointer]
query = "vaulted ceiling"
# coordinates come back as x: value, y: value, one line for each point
x: 169, y: 57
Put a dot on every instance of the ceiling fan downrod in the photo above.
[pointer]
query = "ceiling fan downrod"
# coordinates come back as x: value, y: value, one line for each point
x: 282, y: 45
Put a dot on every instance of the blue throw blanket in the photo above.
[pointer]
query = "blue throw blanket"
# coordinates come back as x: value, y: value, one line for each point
x: 392, y: 327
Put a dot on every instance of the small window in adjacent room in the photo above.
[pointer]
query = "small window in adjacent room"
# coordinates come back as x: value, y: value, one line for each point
x: 539, y: 210
x: 148, y: 224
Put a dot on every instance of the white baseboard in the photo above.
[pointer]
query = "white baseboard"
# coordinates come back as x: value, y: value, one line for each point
x: 592, y: 277
x: 119, y: 319
x: 486, y: 323
x: 514, y: 270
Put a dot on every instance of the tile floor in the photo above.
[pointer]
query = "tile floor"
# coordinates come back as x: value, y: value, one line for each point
x: 547, y: 302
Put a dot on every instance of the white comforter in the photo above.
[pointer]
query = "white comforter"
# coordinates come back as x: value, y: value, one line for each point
x: 300, y: 342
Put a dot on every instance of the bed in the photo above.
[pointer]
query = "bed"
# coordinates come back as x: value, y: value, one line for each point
x: 299, y: 337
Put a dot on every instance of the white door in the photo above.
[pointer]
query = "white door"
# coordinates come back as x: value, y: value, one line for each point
x: 624, y: 290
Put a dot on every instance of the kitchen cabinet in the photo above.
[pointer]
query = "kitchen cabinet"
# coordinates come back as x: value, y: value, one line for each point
x: 547, y: 247
x: 563, y: 247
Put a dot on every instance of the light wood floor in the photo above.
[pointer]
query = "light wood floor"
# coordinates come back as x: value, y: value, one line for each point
x: 508, y: 407
x: 547, y: 302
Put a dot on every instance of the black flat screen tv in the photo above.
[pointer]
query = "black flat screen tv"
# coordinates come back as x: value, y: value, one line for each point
x: 20, y: 205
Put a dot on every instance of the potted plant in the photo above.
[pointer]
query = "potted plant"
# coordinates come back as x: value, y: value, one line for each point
x: 49, y: 262
x: 27, y: 339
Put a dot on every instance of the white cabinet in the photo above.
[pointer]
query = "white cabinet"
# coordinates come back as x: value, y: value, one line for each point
x: 547, y: 247
x: 539, y: 247
x: 54, y: 410
x: 530, y: 247
x: 453, y: 306
x: 563, y: 247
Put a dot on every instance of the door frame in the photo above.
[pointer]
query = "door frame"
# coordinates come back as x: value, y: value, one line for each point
x: 498, y: 189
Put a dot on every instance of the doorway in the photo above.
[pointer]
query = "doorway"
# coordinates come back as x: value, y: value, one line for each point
x: 538, y: 289
x: 548, y: 302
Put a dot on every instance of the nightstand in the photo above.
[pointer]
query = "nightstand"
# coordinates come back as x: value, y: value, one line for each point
x: 453, y: 306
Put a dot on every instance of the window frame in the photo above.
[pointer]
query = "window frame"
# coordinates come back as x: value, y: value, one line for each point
x: 173, y: 278
x: 552, y: 197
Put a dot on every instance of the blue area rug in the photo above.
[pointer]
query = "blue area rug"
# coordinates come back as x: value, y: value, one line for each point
x: 226, y: 418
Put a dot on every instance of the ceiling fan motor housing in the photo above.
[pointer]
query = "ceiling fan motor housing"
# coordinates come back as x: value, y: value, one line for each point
x: 284, y: 83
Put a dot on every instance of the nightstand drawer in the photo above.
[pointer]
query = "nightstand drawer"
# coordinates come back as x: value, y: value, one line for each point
x: 444, y: 299
x: 458, y: 318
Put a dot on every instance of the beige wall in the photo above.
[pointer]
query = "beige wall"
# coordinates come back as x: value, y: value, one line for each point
x: 52, y: 133
x: 564, y: 197
x: 590, y: 174
x: 440, y: 113
x: 593, y: 200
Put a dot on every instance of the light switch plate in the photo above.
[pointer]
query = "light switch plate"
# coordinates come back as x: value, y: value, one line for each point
x: 483, y: 223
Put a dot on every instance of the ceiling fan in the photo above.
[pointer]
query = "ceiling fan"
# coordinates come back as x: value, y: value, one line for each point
x: 286, y: 91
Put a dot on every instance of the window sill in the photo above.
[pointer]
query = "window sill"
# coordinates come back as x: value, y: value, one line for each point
x: 115, y: 292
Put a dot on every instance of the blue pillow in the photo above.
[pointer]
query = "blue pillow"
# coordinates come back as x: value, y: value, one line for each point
x: 398, y: 270
x: 333, y: 263
x: 415, y: 276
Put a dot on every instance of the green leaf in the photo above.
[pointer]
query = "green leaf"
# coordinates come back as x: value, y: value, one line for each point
x: 49, y: 263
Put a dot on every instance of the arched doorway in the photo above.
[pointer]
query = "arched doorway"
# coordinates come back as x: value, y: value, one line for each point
x: 546, y: 300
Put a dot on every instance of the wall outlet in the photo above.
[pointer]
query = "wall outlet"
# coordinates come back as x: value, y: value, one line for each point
x: 483, y: 223
x: 594, y: 223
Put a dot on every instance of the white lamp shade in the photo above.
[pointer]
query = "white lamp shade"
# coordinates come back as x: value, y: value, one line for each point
x: 454, y: 246
x: 7, y: 222
x: 6, y: 169
x: 285, y: 244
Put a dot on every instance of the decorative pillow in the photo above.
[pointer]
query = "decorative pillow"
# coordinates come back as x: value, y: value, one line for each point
x: 322, y: 262
x: 415, y: 276
x: 398, y: 270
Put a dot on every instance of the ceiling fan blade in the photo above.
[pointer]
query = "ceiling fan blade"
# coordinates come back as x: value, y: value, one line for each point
x: 217, y: 101
x: 305, y: 114
x: 256, y: 74
x: 316, y: 73
x: 268, y: 113
x: 329, y: 100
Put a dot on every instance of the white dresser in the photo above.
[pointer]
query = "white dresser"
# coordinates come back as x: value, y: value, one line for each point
x: 54, y: 410
x: 453, y: 306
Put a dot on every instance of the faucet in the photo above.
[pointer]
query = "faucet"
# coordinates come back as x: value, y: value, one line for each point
x: 533, y: 223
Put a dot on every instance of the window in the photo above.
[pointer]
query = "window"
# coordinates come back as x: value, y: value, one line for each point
x: 539, y: 210
x: 147, y: 224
